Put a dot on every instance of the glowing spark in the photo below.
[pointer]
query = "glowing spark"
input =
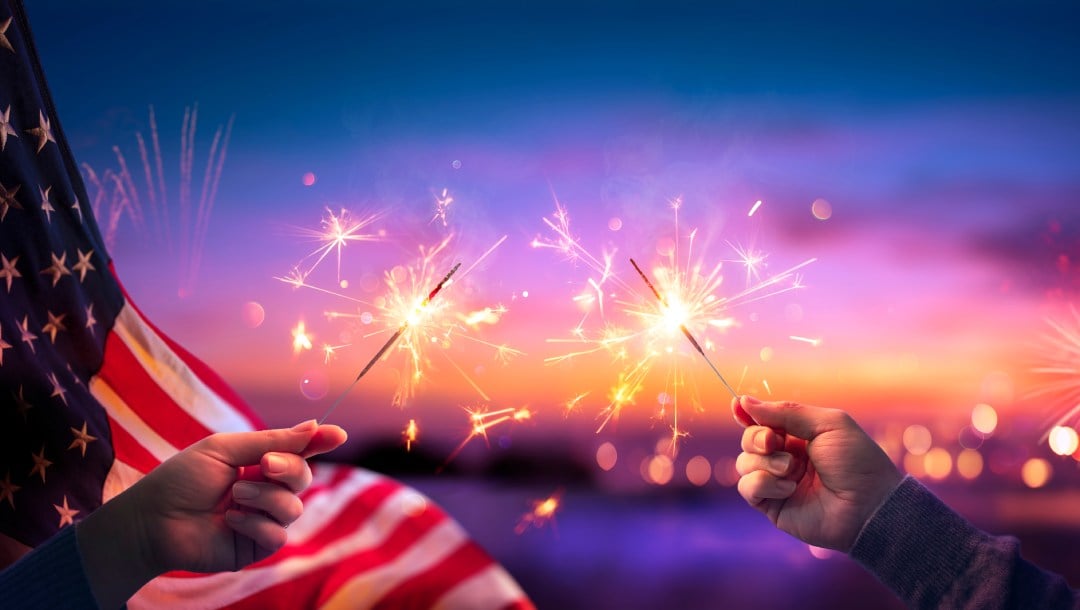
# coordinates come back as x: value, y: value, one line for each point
x: 814, y: 342
x: 680, y: 317
x: 442, y: 206
x: 754, y: 208
x: 572, y: 405
x: 765, y: 382
x: 543, y: 511
x: 301, y: 339
x: 392, y: 340
x: 337, y: 231
x: 410, y: 433
x: 481, y: 420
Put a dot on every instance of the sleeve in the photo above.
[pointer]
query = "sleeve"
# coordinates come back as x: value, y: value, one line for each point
x: 50, y: 576
x: 933, y: 558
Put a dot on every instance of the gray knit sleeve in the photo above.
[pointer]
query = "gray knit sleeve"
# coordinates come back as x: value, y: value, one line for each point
x: 50, y: 576
x: 933, y: 558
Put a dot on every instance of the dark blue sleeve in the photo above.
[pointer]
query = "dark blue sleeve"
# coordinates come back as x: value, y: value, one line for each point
x: 934, y: 558
x: 50, y: 576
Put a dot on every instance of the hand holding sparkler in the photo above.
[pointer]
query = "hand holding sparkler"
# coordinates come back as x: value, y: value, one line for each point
x: 392, y: 340
x: 685, y: 330
x: 814, y: 472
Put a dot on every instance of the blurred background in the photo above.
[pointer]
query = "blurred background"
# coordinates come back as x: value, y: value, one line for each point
x: 866, y: 207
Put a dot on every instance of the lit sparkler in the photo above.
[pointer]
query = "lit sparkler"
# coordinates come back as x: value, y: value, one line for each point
x: 692, y: 306
x: 412, y: 319
x: 676, y: 316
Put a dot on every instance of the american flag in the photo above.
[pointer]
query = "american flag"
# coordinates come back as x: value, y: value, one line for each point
x: 93, y: 396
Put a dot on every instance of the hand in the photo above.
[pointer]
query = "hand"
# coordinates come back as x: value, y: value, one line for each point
x: 221, y: 504
x: 814, y: 472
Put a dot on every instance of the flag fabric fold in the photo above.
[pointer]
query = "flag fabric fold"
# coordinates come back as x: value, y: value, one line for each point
x: 93, y: 396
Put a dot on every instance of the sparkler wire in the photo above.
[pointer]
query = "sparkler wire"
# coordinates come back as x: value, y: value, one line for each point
x: 389, y: 342
x: 685, y: 330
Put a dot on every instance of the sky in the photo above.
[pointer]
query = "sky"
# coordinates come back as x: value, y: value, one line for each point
x: 944, y: 140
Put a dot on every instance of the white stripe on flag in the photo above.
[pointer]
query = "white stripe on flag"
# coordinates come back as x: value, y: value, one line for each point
x: 120, y: 477
x: 174, y: 377
x: 215, y: 590
x: 126, y: 418
x: 492, y: 587
x: 367, y: 588
x: 322, y: 507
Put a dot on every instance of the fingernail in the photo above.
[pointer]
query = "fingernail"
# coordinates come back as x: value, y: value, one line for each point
x: 759, y: 440
x: 245, y: 491
x: 276, y: 464
x: 750, y: 400
x: 235, y: 516
x: 782, y: 463
x: 304, y: 426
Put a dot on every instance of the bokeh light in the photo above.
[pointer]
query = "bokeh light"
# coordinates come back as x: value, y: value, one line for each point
x: 937, y: 463
x: 698, y: 470
x: 614, y: 223
x: 821, y: 209
x: 1036, y: 472
x: 984, y: 419
x: 253, y: 314
x: 658, y: 469
x: 606, y: 456
x: 724, y: 472
x: 969, y: 463
x: 917, y: 439
x: 308, y: 179
x: 314, y: 385
x: 1063, y: 440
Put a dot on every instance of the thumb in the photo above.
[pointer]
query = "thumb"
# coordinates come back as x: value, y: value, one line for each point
x: 792, y: 418
x: 247, y: 448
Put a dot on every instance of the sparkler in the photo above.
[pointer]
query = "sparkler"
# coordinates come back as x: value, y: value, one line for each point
x: 689, y: 292
x: 684, y: 329
x: 392, y: 340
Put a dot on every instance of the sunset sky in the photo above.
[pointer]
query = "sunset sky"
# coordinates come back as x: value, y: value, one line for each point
x: 945, y: 140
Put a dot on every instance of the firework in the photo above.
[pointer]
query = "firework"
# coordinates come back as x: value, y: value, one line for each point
x: 693, y: 307
x: 1059, y: 364
x: 114, y: 194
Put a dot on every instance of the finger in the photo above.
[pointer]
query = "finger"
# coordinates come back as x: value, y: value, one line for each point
x: 327, y: 438
x: 762, y: 440
x: 245, y: 448
x: 759, y: 486
x: 289, y: 469
x: 267, y: 535
x: 277, y: 502
x: 741, y: 416
x: 778, y: 464
x: 800, y: 420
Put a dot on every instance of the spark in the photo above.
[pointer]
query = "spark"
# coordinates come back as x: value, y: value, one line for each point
x: 481, y: 420
x: 543, y: 512
x: 754, y: 208
x: 814, y: 342
x: 337, y: 231
x: 301, y: 338
x: 442, y: 206
x: 410, y: 434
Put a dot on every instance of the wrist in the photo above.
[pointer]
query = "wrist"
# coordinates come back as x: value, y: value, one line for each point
x: 116, y: 554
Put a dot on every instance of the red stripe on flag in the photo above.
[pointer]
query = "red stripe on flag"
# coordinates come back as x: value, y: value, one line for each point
x: 349, y: 519
x: 424, y: 589
x: 201, y: 370
x: 317, y: 586
x: 129, y: 451
x: 123, y: 372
